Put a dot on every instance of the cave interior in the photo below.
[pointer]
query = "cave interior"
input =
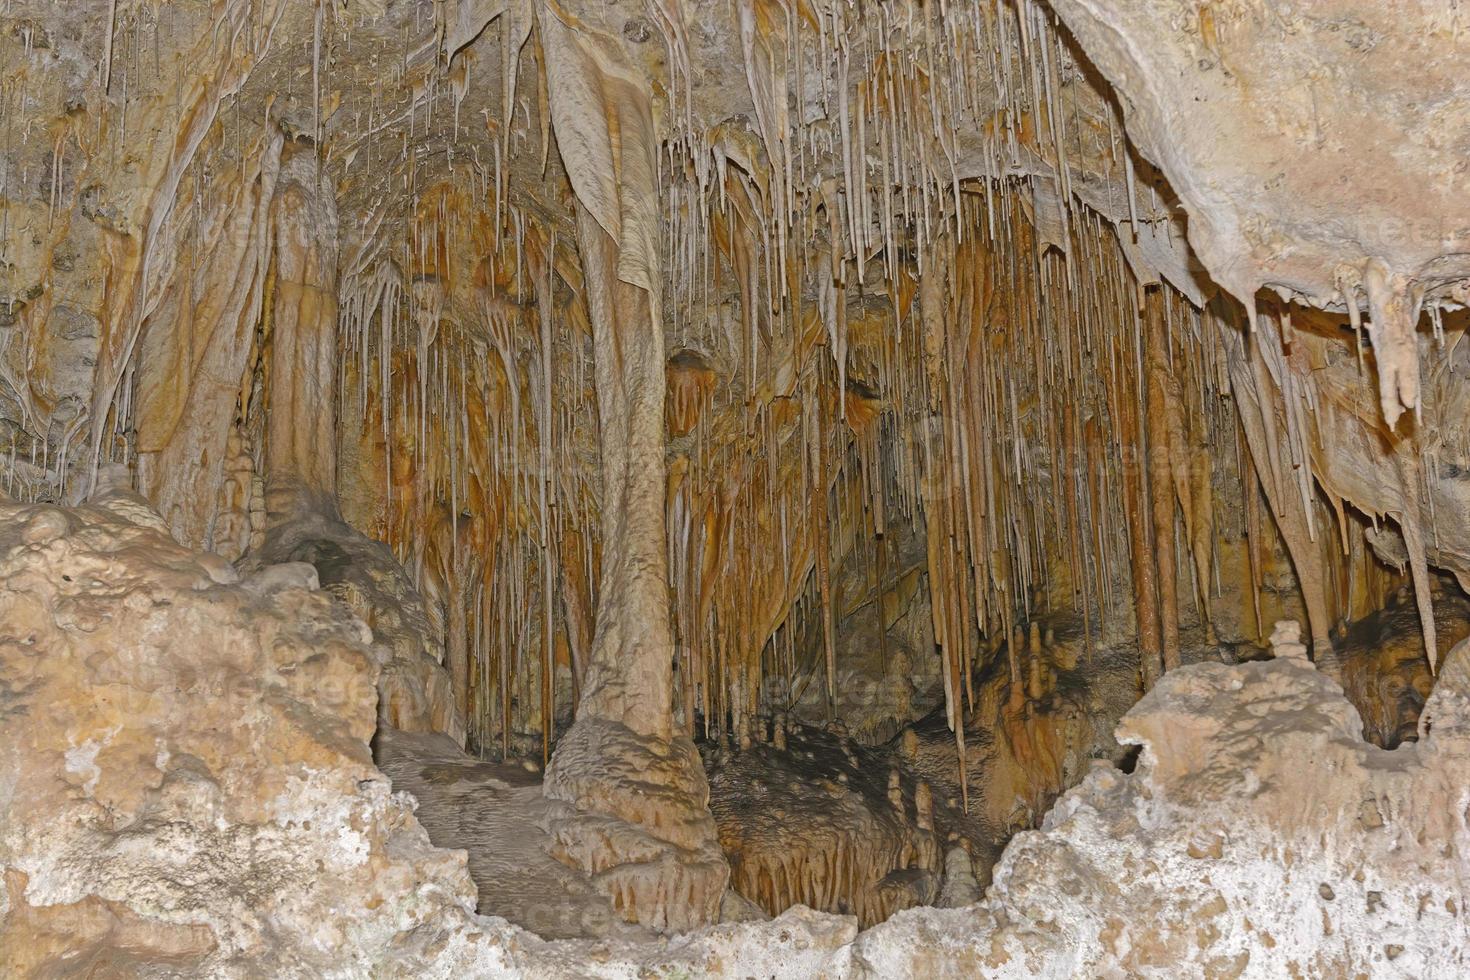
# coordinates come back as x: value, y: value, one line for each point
x: 701, y: 459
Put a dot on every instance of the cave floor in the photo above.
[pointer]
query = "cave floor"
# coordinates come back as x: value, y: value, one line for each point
x: 494, y: 811
x: 1024, y: 747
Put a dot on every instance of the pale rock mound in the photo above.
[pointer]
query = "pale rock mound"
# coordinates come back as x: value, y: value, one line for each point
x: 185, y: 784
x: 415, y: 693
x: 1259, y: 836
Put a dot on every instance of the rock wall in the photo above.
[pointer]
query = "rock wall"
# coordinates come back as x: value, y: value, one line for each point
x: 415, y: 692
x: 1255, y: 112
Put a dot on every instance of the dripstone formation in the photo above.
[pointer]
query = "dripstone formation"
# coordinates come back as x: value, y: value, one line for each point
x: 733, y: 487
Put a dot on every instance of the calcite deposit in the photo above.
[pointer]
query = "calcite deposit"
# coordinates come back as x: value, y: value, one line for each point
x: 860, y: 839
x: 731, y: 465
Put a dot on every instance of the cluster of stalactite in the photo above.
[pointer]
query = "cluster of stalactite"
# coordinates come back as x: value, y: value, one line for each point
x: 1073, y: 434
x: 1001, y: 397
x: 896, y: 307
x: 845, y: 875
x: 1326, y: 458
x: 815, y: 819
x: 803, y: 244
x: 463, y: 385
x: 467, y: 430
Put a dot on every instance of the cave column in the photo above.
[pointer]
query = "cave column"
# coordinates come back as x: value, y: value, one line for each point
x: 301, y: 437
x: 303, y: 521
x: 630, y: 803
x: 629, y: 676
x: 1161, y: 477
x: 1141, y: 553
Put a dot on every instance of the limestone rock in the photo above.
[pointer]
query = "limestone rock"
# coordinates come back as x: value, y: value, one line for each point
x: 960, y: 887
x: 414, y: 687
x: 187, y: 791
x: 1259, y: 836
x: 185, y: 784
x: 1255, y: 142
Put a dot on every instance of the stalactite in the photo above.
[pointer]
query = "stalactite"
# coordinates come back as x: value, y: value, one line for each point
x: 1161, y: 473
x: 821, y: 535
x: 1257, y: 398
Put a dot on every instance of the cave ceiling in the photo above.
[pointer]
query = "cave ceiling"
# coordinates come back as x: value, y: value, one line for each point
x: 1308, y: 158
x: 820, y: 150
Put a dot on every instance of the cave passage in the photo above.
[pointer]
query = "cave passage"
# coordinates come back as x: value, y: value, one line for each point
x: 743, y: 463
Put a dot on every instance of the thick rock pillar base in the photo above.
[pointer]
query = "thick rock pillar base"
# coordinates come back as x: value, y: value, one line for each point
x: 633, y: 813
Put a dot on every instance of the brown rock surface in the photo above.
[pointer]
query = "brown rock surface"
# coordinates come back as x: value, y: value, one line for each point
x: 494, y: 811
x: 824, y: 822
